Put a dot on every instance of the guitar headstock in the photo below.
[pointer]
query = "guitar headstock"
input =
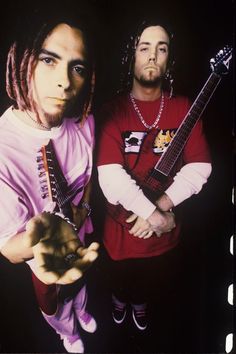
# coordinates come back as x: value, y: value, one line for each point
x: 46, y: 174
x: 220, y: 63
x: 52, y: 180
x: 53, y: 183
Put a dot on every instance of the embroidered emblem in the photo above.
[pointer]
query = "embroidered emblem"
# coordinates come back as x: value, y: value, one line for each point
x: 133, y: 141
x: 163, y: 139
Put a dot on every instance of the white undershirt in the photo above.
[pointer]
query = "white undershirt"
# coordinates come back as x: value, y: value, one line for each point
x: 119, y: 188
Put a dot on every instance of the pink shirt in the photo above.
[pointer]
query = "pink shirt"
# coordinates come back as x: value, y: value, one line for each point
x: 20, y: 185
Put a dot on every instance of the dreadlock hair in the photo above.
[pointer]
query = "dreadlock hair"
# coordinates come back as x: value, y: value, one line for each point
x: 128, y: 59
x: 23, y: 55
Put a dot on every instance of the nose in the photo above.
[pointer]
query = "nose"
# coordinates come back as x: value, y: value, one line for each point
x: 152, y: 56
x: 63, y: 78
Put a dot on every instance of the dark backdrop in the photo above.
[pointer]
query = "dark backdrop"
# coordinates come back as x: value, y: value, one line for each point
x: 201, y: 28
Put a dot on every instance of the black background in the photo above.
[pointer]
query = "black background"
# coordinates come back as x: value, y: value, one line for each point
x: 195, y: 318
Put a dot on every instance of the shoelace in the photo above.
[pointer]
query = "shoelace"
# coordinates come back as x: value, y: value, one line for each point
x: 119, y: 307
x: 140, y: 313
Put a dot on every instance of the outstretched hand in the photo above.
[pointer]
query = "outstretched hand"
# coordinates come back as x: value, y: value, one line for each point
x: 59, y: 255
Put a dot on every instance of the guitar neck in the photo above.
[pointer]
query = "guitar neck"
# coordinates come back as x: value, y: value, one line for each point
x: 57, y: 182
x: 170, y: 156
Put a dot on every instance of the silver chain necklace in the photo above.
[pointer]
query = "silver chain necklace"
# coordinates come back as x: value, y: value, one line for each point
x: 140, y: 115
x: 36, y: 122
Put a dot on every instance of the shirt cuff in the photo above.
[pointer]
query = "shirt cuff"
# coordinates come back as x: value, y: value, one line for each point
x: 188, y: 181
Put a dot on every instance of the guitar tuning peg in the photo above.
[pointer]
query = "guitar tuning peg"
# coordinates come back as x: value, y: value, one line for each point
x: 44, y: 188
x: 43, y: 181
x: 44, y: 195
x: 40, y: 166
x: 39, y: 158
x: 41, y: 174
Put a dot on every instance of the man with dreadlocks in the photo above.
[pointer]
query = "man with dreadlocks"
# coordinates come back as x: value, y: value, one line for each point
x: 141, y: 122
x: 46, y: 143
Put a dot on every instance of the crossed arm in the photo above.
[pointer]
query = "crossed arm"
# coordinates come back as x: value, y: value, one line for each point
x: 151, y: 218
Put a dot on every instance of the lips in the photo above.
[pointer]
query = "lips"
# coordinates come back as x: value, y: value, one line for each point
x: 151, y: 67
x: 58, y: 100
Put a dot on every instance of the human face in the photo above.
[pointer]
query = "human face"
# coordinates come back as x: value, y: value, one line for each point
x: 59, y: 73
x: 151, y: 56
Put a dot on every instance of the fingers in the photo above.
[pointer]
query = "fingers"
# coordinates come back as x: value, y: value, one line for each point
x: 145, y: 234
x: 94, y: 246
x: 82, y: 251
x: 70, y: 276
x: 148, y: 234
x: 158, y: 233
x: 139, y: 228
x: 131, y: 218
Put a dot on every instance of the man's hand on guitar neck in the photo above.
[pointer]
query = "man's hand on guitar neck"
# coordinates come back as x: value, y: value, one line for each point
x: 60, y: 258
x: 162, y: 220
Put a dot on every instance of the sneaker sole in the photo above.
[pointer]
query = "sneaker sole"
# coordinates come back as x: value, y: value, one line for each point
x: 138, y: 326
x: 86, y: 328
x: 119, y: 321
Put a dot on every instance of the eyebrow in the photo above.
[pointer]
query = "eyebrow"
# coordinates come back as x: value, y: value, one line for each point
x: 148, y: 43
x: 57, y: 56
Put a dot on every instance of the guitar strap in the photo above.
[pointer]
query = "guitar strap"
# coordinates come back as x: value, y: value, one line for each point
x: 146, y: 149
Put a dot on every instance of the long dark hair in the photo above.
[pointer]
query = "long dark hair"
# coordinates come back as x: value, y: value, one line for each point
x: 128, y: 58
x: 24, y: 52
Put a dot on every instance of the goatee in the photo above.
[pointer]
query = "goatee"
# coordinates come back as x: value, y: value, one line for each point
x: 56, y: 119
x: 149, y: 83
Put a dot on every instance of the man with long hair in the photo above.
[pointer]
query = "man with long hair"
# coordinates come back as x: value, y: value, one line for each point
x: 46, y: 146
x: 140, y: 125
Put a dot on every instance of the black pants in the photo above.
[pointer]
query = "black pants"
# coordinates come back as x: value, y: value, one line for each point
x: 140, y: 279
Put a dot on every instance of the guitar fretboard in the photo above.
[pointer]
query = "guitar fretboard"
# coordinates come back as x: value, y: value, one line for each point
x: 170, y: 156
x: 58, y: 182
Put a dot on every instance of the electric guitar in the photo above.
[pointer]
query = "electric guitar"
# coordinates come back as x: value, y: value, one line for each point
x: 53, y: 182
x: 158, y: 178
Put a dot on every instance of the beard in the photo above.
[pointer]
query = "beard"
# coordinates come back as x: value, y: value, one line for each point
x: 56, y: 119
x: 149, y: 82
